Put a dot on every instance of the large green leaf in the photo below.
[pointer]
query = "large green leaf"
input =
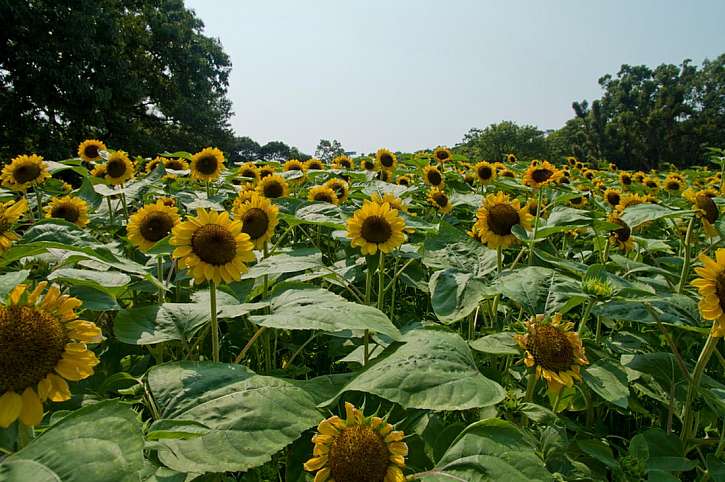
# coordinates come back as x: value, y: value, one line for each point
x: 290, y: 261
x: 21, y: 470
x: 609, y: 381
x: 8, y: 281
x: 674, y: 309
x: 321, y: 214
x: 454, y: 295
x: 111, y: 282
x: 100, y: 442
x: 562, y: 219
x: 642, y: 213
x: 313, y: 308
x: 432, y: 370
x: 496, y: 344
x: 452, y: 248
x: 490, y: 450
x: 541, y: 290
x: 152, y: 324
x: 250, y: 417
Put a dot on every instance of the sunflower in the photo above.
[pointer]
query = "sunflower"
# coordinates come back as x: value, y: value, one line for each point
x: 90, y: 150
x: 385, y: 159
x: 497, y: 217
x: 313, y: 164
x: 708, y: 213
x: 357, y: 449
x: 10, y: 213
x: 485, y: 172
x: 259, y: 218
x: 588, y: 173
x: 273, y: 186
x: 167, y: 201
x: 384, y: 175
x: 119, y: 168
x: 554, y: 350
x: 151, y: 224
x: 673, y: 184
x: 343, y: 162
x: 571, y: 160
x: 612, y: 167
x: 267, y: 170
x: 71, y: 208
x: 376, y: 227
x: 711, y: 285
x: 578, y: 202
x: 541, y: 174
x: 390, y: 198
x: 151, y: 165
x: 207, y: 164
x: 404, y: 181
x: 323, y: 194
x: 651, y: 183
x: 23, y: 172
x: 625, y: 178
x: 629, y: 199
x: 511, y: 157
x: 579, y: 165
x: 442, y: 154
x: 246, y: 191
x: 250, y: 171
x: 367, y: 163
x: 341, y: 188
x: 43, y: 344
x: 212, y: 247
x: 507, y: 173
x: 612, y: 196
x: 621, y: 236
x: 176, y: 164
x: 432, y: 176
x: 294, y: 165
x: 638, y: 176
x: 439, y: 199
x: 99, y: 170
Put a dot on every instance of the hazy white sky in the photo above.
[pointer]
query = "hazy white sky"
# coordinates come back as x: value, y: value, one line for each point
x: 411, y: 74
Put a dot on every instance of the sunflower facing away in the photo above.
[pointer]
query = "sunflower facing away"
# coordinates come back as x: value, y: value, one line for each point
x: 711, y: 285
x: 485, y: 172
x: 385, y: 159
x: 541, y: 174
x: 554, y: 350
x: 432, y: 176
x: 23, y: 172
x: 119, y: 168
x: 442, y: 154
x: 622, y: 236
x: 376, y: 227
x: 313, y: 164
x: 708, y: 212
x: 207, y: 164
x: 43, y: 344
x: 497, y: 217
x: 357, y: 449
x: 10, y: 213
x: 212, y: 247
x: 259, y: 218
x: 71, y: 208
x: 439, y: 199
x: 343, y: 162
x: 273, y: 186
x: 90, y: 150
x: 151, y: 224
x: 341, y: 188
x: 323, y: 194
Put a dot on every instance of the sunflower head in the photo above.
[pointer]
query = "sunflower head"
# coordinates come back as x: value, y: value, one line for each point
x: 404, y: 181
x: 621, y: 236
x: 266, y: 170
x: 711, y: 285
x: 439, y: 199
x: 294, y: 165
x: 432, y: 176
x: 507, y: 173
x: 99, y: 170
x: 579, y: 201
x: 207, y: 164
x: 323, y: 194
x: 119, y: 168
x: 553, y: 350
x: 571, y: 160
x: 71, y: 208
x: 511, y: 157
x: 541, y: 174
x: 376, y: 227
x: 612, y: 167
x: 42, y: 344
x: 357, y: 449
x: 651, y: 183
x: 630, y: 199
x: 313, y: 164
x: 638, y: 176
x: 390, y: 198
x: 212, y: 247
x: 625, y: 178
x: 151, y: 165
x: 612, y: 196
x: 485, y: 172
x: 248, y: 171
x: 385, y: 159
x: 343, y: 162
x: 176, y: 164
x: 708, y: 212
x: 341, y: 188
x: 90, y: 150
x: 442, y: 154
x: 151, y: 224
x: 23, y: 172
x: 367, y: 163
x: 259, y: 219
x: 273, y: 186
x: 497, y: 217
x: 167, y: 201
x: 10, y: 213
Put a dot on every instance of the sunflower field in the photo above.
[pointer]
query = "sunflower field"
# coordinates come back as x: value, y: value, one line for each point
x: 390, y: 317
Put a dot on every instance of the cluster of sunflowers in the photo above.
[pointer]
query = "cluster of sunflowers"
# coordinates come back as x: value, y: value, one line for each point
x: 202, y: 226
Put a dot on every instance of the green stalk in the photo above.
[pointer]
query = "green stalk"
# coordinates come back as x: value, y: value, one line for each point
x: 499, y: 261
x: 110, y: 208
x: 25, y: 435
x: 536, y: 226
x: 381, y: 281
x: 208, y: 191
x: 125, y: 206
x: 530, y: 385
x: 686, y: 263
x: 160, y: 276
x: 687, y: 412
x: 39, y: 198
x: 585, y: 316
x: 214, y: 322
x: 30, y: 210
x: 366, y: 337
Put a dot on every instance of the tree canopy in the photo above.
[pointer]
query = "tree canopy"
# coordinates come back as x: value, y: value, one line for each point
x: 497, y: 140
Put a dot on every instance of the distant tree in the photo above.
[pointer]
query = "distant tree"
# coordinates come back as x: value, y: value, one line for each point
x: 295, y: 153
x: 275, y: 151
x: 247, y: 149
x: 138, y: 74
x: 328, y: 150
x: 497, y: 140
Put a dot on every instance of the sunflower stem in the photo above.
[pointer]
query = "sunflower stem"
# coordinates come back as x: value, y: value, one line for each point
x: 123, y: 202
x: 287, y: 363
x: 249, y: 344
x: 499, y: 261
x: 214, y: 322
x: 39, y: 200
x: 536, y: 226
x: 30, y: 211
x: 366, y: 336
x: 25, y: 435
x: 208, y: 190
x: 160, y: 277
x: 381, y: 281
x: 686, y: 262
x: 692, y: 388
x: 585, y: 316
x: 110, y: 208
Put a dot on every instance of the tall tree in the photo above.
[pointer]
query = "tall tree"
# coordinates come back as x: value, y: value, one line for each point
x: 328, y: 150
x: 497, y: 140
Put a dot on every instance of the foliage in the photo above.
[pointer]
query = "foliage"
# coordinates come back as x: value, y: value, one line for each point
x: 495, y: 141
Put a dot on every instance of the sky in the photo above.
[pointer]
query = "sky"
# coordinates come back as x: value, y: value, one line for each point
x: 415, y: 74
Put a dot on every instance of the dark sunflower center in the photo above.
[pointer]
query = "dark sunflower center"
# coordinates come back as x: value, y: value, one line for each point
x: 214, y: 244
x: 255, y: 223
x: 294, y: 167
x: 541, y: 175
x: 720, y: 289
x: 577, y: 201
x: 709, y: 207
x: 613, y: 198
x: 386, y: 160
x: 116, y: 168
x: 369, y: 165
x: 207, y: 165
x: 626, y: 180
x: 66, y: 211
x: 551, y: 348
x: 672, y: 185
x: 338, y: 188
x: 273, y: 190
x: 532, y: 209
x: 404, y: 182
x: 441, y: 200
x: 26, y: 173
x: 358, y: 454
x: 314, y: 166
x: 501, y: 218
x: 484, y: 173
x: 434, y: 177
x: 507, y: 174
x: 589, y: 175
x: 323, y: 197
x: 376, y: 229
x: 248, y: 173
x: 156, y: 226
x: 345, y: 163
x: 623, y: 233
x: 91, y: 151
x: 651, y: 184
x: 442, y: 155
x: 31, y: 343
x: 264, y: 173
x: 174, y: 164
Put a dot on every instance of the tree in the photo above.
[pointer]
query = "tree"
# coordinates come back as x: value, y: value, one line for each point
x: 327, y: 151
x: 497, y: 140
x: 247, y: 149
x: 275, y: 151
x: 138, y: 74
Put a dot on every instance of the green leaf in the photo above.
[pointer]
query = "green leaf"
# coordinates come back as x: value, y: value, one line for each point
x: 454, y: 295
x: 452, y: 248
x: 291, y: 261
x: 562, y: 219
x: 27, y: 470
x: 609, y: 381
x: 674, y: 309
x: 152, y: 324
x: 432, y: 370
x: 99, y: 442
x: 489, y: 450
x: 8, y: 281
x: 318, y: 309
x: 250, y: 417
x: 111, y: 282
x: 598, y: 450
x: 541, y: 290
x: 641, y: 213
x: 319, y: 214
x: 497, y: 344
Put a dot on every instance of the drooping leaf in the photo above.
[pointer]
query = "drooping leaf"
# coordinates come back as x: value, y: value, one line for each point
x: 454, y: 295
